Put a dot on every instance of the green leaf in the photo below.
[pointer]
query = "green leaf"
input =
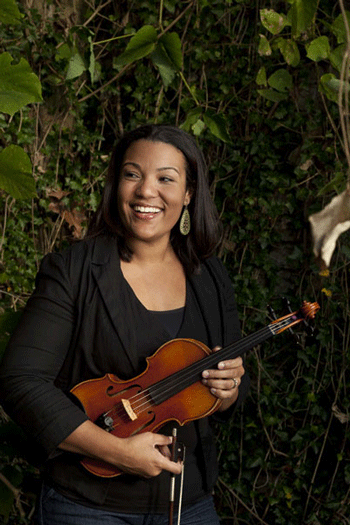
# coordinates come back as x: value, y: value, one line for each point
x: 289, y: 50
x: 166, y: 70
x: 264, y: 48
x: 281, y: 80
x: 330, y: 86
x: 261, y: 77
x: 19, y: 86
x: 64, y: 52
x: 172, y: 46
x: 272, y: 95
x: 272, y: 21
x: 338, y: 28
x: 167, y: 57
x: 217, y: 125
x: 141, y: 45
x: 318, y: 49
x: 16, y: 173
x: 337, y: 56
x: 198, y: 127
x: 9, y: 12
x: 76, y: 66
x: 192, y: 117
x: 301, y: 15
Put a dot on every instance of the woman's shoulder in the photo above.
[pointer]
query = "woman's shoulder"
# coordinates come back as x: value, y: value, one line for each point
x: 81, y: 254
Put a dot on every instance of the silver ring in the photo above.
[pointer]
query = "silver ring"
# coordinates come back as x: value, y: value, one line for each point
x: 235, y: 382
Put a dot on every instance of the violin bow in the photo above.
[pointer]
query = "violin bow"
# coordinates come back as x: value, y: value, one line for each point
x: 180, y: 448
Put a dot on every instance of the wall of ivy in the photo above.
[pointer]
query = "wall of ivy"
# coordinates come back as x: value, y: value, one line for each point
x: 257, y: 83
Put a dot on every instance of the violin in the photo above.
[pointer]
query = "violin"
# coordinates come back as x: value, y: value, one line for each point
x: 169, y: 389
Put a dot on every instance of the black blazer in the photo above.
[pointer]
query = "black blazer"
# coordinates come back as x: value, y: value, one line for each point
x: 78, y: 325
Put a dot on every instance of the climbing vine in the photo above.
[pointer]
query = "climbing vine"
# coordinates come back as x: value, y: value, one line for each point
x: 258, y: 86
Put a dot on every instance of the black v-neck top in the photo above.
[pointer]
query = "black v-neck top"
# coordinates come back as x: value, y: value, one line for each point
x: 170, y: 319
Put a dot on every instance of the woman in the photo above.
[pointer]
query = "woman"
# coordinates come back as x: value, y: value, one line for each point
x: 144, y: 275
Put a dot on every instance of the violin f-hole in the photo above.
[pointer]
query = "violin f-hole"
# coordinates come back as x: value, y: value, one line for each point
x: 111, y: 391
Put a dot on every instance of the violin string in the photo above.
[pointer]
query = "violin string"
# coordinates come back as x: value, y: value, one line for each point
x: 189, y: 374
x: 190, y: 371
x: 143, y: 398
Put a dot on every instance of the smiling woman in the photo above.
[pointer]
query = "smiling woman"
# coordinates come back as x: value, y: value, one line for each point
x: 105, y: 305
x: 204, y: 236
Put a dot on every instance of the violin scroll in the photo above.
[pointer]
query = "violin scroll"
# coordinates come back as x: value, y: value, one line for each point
x: 308, y: 310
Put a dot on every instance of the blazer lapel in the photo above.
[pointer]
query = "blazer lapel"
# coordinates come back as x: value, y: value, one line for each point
x: 109, y: 278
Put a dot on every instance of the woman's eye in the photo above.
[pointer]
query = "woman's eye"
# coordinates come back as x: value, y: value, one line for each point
x: 166, y: 179
x: 130, y: 175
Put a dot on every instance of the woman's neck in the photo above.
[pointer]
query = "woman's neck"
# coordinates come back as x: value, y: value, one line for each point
x: 151, y: 253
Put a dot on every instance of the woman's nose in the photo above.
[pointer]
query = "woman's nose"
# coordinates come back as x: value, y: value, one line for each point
x: 146, y: 187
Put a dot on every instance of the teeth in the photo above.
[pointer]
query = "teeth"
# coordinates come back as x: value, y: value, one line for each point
x: 146, y: 209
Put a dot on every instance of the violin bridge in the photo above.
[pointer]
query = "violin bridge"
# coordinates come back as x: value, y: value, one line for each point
x: 128, y: 409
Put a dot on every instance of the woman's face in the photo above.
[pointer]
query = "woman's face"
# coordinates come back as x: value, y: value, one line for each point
x: 152, y: 190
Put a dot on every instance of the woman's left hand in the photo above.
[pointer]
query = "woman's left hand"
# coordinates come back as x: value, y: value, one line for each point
x: 225, y: 380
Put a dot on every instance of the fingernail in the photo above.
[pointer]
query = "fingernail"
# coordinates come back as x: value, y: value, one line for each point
x: 221, y: 365
x: 213, y: 390
x: 205, y: 373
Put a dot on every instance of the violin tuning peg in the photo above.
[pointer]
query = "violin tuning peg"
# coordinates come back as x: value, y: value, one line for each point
x: 286, y: 303
x: 271, y: 312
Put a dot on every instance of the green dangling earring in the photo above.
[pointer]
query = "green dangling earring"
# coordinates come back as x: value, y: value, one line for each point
x: 185, y: 222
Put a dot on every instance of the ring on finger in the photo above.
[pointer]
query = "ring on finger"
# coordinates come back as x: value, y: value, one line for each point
x: 235, y: 382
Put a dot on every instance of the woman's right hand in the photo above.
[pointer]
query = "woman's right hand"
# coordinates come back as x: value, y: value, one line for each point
x: 144, y: 455
x: 147, y: 455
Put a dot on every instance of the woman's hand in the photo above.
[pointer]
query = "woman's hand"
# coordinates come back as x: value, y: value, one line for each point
x: 225, y: 380
x: 147, y: 455
x: 144, y: 455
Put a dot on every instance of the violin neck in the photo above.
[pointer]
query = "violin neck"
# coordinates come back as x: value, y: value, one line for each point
x: 238, y: 348
x: 192, y: 373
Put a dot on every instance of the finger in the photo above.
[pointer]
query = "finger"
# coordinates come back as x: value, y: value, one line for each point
x: 164, y: 450
x: 231, y: 363
x: 223, y: 374
x: 229, y: 373
x: 222, y: 384
x: 224, y: 394
x: 172, y: 466
x: 161, y: 439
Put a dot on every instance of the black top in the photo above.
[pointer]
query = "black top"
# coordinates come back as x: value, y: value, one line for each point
x: 80, y: 324
x: 171, y: 320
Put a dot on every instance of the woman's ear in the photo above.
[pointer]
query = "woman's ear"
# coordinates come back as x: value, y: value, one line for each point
x: 187, y: 198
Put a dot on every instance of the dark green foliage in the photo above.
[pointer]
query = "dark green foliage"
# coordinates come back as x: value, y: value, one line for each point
x: 285, y: 457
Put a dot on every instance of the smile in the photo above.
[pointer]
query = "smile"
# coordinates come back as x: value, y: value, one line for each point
x: 146, y: 209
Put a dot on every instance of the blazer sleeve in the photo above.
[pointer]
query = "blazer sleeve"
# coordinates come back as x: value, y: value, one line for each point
x: 34, y: 357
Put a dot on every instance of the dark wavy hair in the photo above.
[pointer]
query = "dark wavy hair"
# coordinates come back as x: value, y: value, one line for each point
x: 205, y: 227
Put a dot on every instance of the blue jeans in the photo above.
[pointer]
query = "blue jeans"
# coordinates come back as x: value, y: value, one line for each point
x: 55, y: 509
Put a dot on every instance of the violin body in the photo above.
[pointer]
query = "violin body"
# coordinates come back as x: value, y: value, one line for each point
x: 110, y: 397
x: 170, y: 388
